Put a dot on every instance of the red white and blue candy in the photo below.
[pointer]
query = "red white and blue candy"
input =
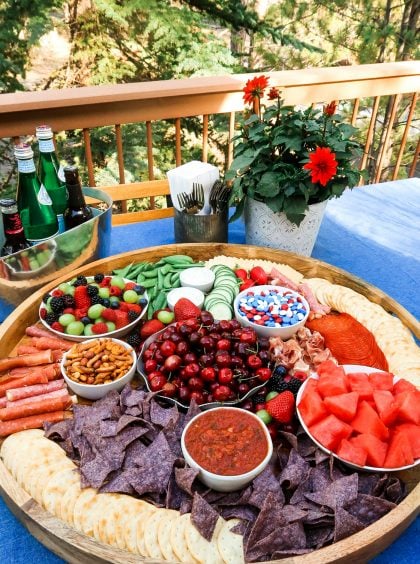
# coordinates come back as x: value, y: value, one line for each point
x: 274, y: 308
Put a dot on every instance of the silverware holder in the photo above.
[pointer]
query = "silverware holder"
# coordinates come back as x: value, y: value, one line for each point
x: 201, y: 228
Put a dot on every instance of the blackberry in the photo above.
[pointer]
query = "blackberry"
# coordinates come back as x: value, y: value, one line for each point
x: 277, y: 384
x: 98, y: 278
x: 68, y: 301
x: 134, y: 339
x: 258, y: 398
x: 293, y: 385
x: 45, y: 297
x: 57, y: 304
x: 92, y: 290
x: 80, y: 281
x: 96, y: 300
x: 50, y: 318
x: 133, y: 315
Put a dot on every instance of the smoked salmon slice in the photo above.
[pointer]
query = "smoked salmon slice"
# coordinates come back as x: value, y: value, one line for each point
x: 348, y: 340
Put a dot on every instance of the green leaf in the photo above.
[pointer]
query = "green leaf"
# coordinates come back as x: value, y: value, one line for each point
x: 239, y: 211
x: 268, y: 185
x: 275, y: 204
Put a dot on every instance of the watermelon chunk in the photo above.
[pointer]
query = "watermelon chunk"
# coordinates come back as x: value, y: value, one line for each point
x: 332, y: 379
x: 409, y: 406
x: 413, y: 433
x: 330, y: 431
x: 385, y: 406
x: 399, y: 451
x: 381, y: 380
x: 344, y: 406
x: 351, y: 452
x: 376, y: 449
x: 367, y: 421
x: 403, y: 386
x: 359, y: 382
x: 311, y: 407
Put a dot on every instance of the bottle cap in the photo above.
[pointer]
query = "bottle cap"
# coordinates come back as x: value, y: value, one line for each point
x: 23, y: 151
x: 7, y: 202
x: 71, y: 174
x: 44, y: 132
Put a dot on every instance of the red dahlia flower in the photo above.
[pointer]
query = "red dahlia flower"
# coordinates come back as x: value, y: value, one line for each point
x: 254, y: 88
x: 322, y: 165
x: 273, y: 94
x: 330, y: 108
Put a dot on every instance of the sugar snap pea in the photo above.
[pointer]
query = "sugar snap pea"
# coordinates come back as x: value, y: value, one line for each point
x: 123, y: 271
x: 177, y: 259
x: 160, y: 301
x: 151, y: 273
x: 149, y: 283
x: 167, y: 280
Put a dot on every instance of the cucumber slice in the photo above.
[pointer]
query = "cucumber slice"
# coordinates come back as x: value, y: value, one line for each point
x: 221, y: 310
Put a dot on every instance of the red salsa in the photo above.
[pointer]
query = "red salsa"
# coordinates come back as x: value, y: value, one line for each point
x: 226, y: 441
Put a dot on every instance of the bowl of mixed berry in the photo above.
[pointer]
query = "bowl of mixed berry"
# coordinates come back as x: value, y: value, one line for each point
x: 93, y: 306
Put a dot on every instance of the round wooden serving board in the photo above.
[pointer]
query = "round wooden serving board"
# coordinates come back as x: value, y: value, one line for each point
x: 78, y: 548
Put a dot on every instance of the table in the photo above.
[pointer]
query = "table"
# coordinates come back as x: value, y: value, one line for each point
x: 372, y: 232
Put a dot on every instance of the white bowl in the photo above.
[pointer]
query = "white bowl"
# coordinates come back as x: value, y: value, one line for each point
x: 192, y: 294
x: 111, y: 334
x: 198, y: 277
x: 97, y: 391
x: 219, y: 482
x: 283, y: 332
x: 348, y: 369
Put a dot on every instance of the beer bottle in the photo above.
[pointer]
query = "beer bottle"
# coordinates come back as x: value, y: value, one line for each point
x: 13, y: 229
x: 77, y: 211
x: 34, y: 204
x: 51, y: 174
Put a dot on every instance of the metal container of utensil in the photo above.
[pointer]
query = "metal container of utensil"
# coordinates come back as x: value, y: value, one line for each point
x: 191, y: 228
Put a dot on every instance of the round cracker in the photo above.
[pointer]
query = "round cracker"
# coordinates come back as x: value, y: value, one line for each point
x: 28, y: 469
x: 92, y: 511
x: 150, y: 535
x: 164, y: 534
x: 204, y: 551
x: 13, y: 442
x: 136, y: 510
x: 56, y: 488
x: 178, y: 540
x: 83, y: 503
x: 114, y: 516
x: 23, y: 454
x: 46, y: 473
x: 67, y: 502
x: 231, y: 545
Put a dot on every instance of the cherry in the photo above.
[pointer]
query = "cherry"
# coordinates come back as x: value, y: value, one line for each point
x: 148, y: 355
x: 177, y: 382
x: 225, y: 376
x: 264, y: 343
x: 192, y: 323
x: 248, y: 336
x: 153, y: 346
x: 236, y: 362
x: 206, y: 317
x: 234, y: 324
x: 206, y: 359
x: 263, y: 374
x: 198, y: 397
x: 273, y: 430
x: 226, y: 335
x: 259, y: 406
x: 223, y: 345
x: 157, y: 383
x: 194, y: 338
x: 182, y: 374
x: 209, y: 398
x: 241, y: 349
x: 236, y: 333
x: 160, y: 359
x: 166, y: 334
x: 167, y: 348
x: 207, y: 343
x: 196, y: 384
x: 214, y: 386
x: 175, y: 338
x: 221, y: 393
x: 182, y: 347
x: 223, y: 359
x: 215, y: 336
x: 264, y: 356
x: 247, y: 405
x: 192, y: 370
x: 208, y: 374
x: 243, y: 388
x: 184, y: 394
x: 172, y: 362
x: 185, y: 330
x: 225, y: 325
x: 168, y: 390
x: 254, y: 362
x: 150, y: 365
x: 155, y: 374
x: 190, y: 357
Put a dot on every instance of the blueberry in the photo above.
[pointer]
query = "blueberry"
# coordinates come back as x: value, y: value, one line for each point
x: 280, y: 371
x: 139, y: 289
x: 106, y: 302
x: 85, y: 320
x: 142, y: 302
x: 114, y: 305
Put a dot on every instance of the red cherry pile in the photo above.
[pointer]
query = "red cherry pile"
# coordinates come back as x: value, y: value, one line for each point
x: 206, y: 360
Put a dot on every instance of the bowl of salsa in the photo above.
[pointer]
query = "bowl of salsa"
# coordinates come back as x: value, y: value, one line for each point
x: 228, y: 446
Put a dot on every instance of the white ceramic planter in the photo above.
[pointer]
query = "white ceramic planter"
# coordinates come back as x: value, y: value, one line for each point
x: 265, y: 228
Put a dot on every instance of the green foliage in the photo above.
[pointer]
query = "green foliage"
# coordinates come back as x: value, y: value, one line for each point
x: 271, y: 151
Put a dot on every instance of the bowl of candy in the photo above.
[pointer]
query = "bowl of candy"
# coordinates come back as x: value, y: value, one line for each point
x: 93, y: 306
x: 210, y: 362
x: 272, y: 311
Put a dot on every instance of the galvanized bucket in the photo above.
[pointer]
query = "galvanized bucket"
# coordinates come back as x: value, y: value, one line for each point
x: 201, y: 228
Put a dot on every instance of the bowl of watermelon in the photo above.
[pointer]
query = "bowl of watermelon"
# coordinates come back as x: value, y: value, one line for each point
x: 366, y: 418
x: 93, y: 306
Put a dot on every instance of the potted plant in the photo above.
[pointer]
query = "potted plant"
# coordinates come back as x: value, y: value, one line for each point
x: 288, y: 163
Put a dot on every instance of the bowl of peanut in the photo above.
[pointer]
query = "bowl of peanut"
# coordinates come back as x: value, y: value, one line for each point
x: 93, y: 368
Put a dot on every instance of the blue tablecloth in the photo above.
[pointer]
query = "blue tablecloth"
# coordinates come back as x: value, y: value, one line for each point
x: 372, y: 232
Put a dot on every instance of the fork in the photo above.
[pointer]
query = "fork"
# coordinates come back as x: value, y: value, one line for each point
x: 198, y: 195
x: 219, y: 196
x: 187, y: 203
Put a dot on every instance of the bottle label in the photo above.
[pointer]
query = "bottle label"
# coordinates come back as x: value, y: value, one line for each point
x: 26, y: 165
x: 43, y: 197
x: 46, y: 145
x: 61, y: 225
x: 60, y: 174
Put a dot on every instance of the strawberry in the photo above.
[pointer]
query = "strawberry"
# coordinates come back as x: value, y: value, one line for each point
x: 81, y: 297
x: 129, y: 286
x: 115, y: 291
x: 57, y: 326
x: 124, y: 306
x: 150, y: 327
x: 79, y: 313
x: 57, y: 293
x: 99, y: 328
x: 185, y: 309
x: 121, y: 319
x: 68, y: 310
x: 108, y: 314
x: 133, y: 307
x: 282, y: 407
x: 42, y: 313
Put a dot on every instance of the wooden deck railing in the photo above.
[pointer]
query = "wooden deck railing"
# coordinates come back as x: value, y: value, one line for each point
x: 363, y: 86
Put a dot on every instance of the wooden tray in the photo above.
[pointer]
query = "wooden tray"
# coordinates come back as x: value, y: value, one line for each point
x: 77, y: 548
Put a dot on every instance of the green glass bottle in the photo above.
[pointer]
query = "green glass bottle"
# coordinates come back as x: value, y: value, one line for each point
x: 51, y: 174
x: 34, y: 204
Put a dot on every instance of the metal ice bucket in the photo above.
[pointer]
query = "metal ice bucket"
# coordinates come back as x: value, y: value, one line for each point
x: 201, y: 228
x: 57, y: 256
